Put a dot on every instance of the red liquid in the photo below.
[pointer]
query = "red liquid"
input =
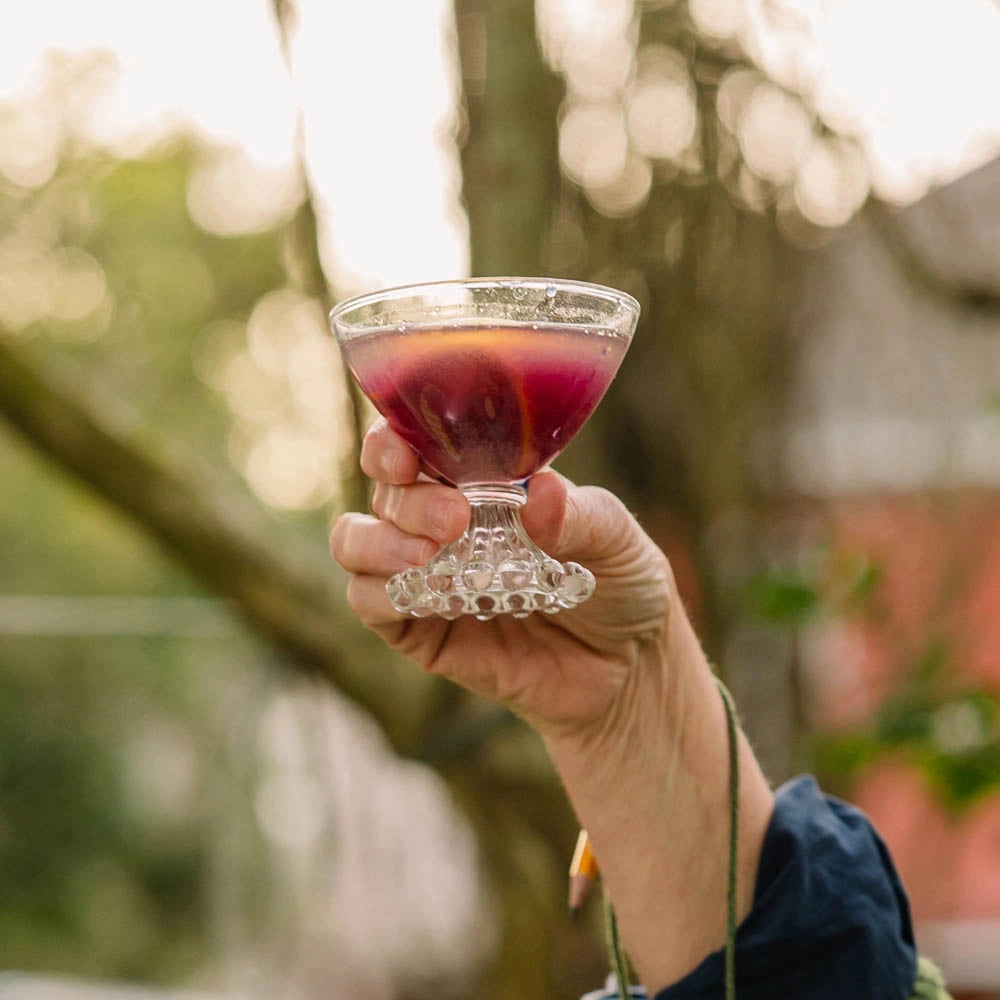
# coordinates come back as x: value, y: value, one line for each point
x: 485, y: 404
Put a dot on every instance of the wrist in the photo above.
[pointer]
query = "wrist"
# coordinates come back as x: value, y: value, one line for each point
x: 606, y: 755
x: 651, y: 786
x: 642, y: 717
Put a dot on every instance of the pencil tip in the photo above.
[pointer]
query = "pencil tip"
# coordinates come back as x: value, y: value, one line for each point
x: 574, y: 912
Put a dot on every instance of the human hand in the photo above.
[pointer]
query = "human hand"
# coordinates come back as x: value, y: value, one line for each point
x: 565, y: 673
x: 618, y: 688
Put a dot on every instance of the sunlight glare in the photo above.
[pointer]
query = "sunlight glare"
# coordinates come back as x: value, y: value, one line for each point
x: 379, y: 90
x: 915, y: 83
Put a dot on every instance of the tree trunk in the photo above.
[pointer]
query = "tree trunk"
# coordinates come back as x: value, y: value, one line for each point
x: 510, y: 181
x: 510, y: 157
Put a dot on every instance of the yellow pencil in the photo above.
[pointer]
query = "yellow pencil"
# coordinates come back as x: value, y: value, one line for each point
x: 582, y: 874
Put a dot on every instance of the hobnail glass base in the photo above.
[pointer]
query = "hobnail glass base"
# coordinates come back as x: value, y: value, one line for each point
x: 493, y: 569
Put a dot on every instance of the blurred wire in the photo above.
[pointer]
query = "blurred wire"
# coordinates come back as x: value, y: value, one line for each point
x: 52, y: 615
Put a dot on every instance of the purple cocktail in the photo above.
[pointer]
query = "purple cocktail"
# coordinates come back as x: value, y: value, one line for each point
x: 487, y: 380
x: 486, y: 404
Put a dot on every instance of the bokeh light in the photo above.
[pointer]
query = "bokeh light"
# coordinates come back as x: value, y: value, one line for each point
x: 599, y: 66
x: 734, y: 93
x: 39, y: 282
x: 627, y: 192
x: 29, y: 145
x: 593, y: 144
x: 80, y: 285
x: 230, y: 195
x: 832, y: 183
x: 661, y: 116
x: 718, y: 18
x: 565, y: 25
x: 774, y: 132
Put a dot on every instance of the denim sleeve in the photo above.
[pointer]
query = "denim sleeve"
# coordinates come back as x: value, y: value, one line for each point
x: 830, y: 920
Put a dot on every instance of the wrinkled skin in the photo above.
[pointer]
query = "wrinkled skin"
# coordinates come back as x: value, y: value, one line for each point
x: 565, y: 673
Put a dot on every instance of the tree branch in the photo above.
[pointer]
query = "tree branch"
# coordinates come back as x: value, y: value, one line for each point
x: 231, y: 547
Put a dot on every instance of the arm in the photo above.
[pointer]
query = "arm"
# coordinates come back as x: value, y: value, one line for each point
x: 652, y: 789
x: 618, y: 688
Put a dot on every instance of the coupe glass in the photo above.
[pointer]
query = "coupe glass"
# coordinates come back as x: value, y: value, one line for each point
x: 488, y: 379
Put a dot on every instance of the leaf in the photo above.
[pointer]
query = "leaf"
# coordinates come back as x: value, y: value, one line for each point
x: 963, y: 779
x: 867, y: 575
x: 781, y: 598
x: 842, y: 756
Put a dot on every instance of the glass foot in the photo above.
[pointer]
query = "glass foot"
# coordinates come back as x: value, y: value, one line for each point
x: 493, y: 569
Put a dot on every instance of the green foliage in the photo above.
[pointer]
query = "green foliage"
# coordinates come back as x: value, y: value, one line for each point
x: 99, y: 875
x: 86, y: 887
x: 951, y: 732
x: 947, y: 729
x: 783, y: 598
x: 835, y: 583
x: 859, y: 582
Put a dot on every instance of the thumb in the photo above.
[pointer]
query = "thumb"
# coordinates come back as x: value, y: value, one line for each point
x: 577, y: 522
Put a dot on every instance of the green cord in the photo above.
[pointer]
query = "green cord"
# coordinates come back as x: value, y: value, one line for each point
x: 928, y: 985
x: 734, y: 838
x: 616, y: 953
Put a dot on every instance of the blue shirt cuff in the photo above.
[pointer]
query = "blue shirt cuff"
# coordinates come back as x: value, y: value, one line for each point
x: 830, y: 919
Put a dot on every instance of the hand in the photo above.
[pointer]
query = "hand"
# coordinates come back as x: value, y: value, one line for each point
x: 618, y: 688
x: 565, y: 673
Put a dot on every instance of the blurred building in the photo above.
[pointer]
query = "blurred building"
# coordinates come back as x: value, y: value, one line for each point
x: 895, y: 432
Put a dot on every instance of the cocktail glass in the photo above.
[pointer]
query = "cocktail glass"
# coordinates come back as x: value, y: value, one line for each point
x: 488, y: 379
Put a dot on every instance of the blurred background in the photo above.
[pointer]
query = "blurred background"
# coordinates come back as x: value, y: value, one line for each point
x: 213, y: 783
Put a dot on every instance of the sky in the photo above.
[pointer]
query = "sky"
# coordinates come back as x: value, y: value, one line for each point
x: 377, y: 84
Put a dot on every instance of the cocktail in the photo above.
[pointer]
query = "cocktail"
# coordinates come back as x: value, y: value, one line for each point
x: 488, y: 380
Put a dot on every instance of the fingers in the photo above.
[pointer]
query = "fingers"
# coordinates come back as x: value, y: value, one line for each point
x: 363, y: 544
x: 414, y: 518
x: 373, y: 550
x: 367, y: 597
x: 386, y: 457
x: 579, y: 522
x: 545, y: 511
x: 427, y: 509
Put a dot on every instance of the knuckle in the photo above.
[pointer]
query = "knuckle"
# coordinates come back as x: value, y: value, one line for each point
x: 420, y: 551
x: 338, y: 536
x: 353, y: 596
x: 370, y: 448
x: 392, y: 503
x: 387, y: 501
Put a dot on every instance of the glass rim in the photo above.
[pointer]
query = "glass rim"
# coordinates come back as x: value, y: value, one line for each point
x: 605, y: 292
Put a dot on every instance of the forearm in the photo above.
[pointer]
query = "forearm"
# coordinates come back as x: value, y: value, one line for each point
x: 652, y: 789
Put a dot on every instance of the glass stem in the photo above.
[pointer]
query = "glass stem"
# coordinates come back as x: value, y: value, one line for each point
x: 493, y: 568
